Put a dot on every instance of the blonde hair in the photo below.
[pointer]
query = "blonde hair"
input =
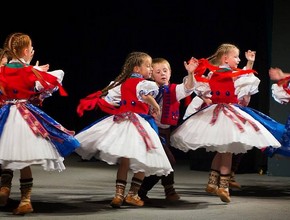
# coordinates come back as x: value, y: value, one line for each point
x: 14, y: 45
x: 132, y: 60
x: 161, y: 60
x: 223, y: 49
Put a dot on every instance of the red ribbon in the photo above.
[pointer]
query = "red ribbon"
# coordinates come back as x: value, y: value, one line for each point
x: 229, y: 111
x: 204, y: 64
x: 133, y: 118
x: 93, y: 101
x: 284, y: 82
x: 33, y: 123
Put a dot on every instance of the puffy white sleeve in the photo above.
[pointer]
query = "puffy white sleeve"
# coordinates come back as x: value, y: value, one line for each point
x: 59, y: 74
x: 114, y: 95
x: 182, y: 91
x: 202, y: 89
x: 279, y: 94
x: 246, y: 85
x: 146, y: 87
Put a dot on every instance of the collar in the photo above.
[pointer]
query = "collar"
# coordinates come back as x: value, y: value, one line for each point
x: 136, y: 75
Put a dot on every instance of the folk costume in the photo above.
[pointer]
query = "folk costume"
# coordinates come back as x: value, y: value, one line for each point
x: 168, y: 98
x: 28, y: 135
x: 281, y: 94
x: 223, y: 126
x: 127, y: 132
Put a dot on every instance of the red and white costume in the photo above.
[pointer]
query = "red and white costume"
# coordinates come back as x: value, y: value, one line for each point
x: 281, y: 91
x: 28, y: 136
x: 127, y: 134
x: 223, y: 126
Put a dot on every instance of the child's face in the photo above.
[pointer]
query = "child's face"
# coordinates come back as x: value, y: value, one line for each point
x: 3, y: 61
x: 232, y: 58
x: 161, y: 73
x: 146, y: 69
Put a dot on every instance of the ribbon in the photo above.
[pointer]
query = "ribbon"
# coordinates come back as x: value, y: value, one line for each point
x: 33, y: 123
x: 133, y: 118
x: 285, y: 83
x: 230, y: 111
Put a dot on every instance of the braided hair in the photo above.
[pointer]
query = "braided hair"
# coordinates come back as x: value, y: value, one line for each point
x: 14, y: 45
x: 223, y: 49
x: 133, y: 59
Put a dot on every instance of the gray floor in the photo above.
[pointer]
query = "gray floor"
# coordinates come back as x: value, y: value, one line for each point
x: 85, y: 189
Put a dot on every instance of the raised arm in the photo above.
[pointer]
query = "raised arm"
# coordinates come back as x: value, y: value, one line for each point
x: 277, y: 74
x: 190, y: 66
x: 250, y: 56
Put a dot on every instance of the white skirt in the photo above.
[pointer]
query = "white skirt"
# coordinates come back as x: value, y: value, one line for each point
x: 222, y: 136
x: 108, y: 140
x: 20, y: 147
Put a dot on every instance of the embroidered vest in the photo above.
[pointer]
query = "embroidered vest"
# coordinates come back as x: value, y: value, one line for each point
x: 129, y: 100
x: 170, y: 107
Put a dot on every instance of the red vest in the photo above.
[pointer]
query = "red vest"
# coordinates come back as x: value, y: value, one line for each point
x: 129, y: 100
x: 222, y: 89
x: 170, y: 107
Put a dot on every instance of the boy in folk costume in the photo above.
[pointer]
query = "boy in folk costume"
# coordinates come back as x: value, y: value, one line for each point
x: 169, y: 101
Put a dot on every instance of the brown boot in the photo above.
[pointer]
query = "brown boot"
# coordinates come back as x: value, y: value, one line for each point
x: 25, y: 206
x: 170, y: 193
x: 213, y: 181
x: 223, y: 190
x: 132, y: 197
x: 6, y: 183
x: 119, y: 195
x: 233, y: 183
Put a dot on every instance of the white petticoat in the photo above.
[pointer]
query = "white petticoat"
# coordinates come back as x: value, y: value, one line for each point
x: 108, y: 140
x: 223, y: 136
x: 20, y: 147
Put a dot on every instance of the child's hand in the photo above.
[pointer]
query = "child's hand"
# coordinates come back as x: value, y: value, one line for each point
x: 245, y: 100
x: 191, y: 65
x: 43, y: 68
x: 276, y: 74
x: 155, y: 112
x: 207, y: 101
x: 250, y: 55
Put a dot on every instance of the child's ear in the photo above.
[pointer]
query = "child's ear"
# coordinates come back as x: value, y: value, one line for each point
x: 136, y: 69
x: 25, y: 51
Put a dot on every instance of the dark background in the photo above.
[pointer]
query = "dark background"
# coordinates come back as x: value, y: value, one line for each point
x: 90, y: 41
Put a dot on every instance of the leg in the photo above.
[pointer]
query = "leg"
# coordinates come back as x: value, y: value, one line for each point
x: 225, y: 170
x: 5, y: 188
x: 235, y: 164
x: 132, y: 196
x: 165, y: 133
x: 168, y: 184
x: 168, y: 181
x: 147, y: 185
x: 120, y: 183
x: 214, y: 175
x: 26, y: 183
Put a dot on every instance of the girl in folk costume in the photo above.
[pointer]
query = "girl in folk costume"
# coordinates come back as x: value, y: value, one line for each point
x: 127, y: 137
x: 281, y: 94
x: 169, y: 101
x: 40, y: 139
x: 222, y: 126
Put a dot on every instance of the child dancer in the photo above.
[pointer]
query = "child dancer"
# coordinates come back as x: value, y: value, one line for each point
x: 281, y: 94
x: 28, y: 136
x: 196, y: 104
x: 222, y: 126
x: 169, y: 102
x: 127, y: 137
